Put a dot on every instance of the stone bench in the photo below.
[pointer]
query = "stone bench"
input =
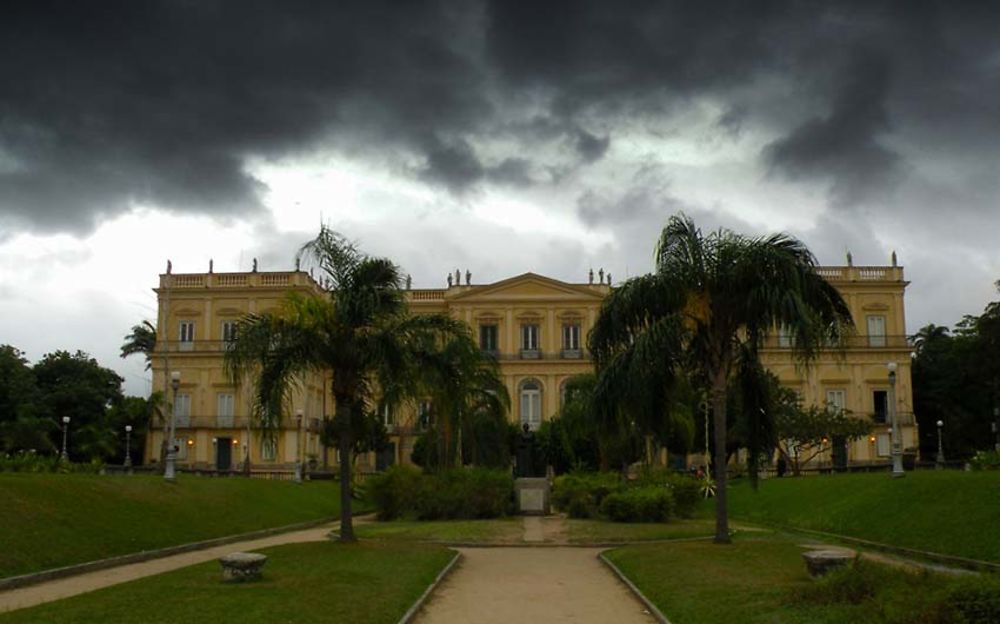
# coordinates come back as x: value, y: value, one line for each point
x: 242, y: 566
x: 819, y: 562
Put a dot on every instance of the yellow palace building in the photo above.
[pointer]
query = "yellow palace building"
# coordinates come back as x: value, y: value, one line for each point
x: 536, y: 326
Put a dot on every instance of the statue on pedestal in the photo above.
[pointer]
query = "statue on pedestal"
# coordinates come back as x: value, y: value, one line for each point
x: 527, y: 461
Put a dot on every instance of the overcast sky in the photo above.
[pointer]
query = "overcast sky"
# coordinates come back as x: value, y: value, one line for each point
x: 495, y: 137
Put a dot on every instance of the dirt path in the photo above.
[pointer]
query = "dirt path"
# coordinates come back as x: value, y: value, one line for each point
x: 507, y: 585
x: 82, y: 583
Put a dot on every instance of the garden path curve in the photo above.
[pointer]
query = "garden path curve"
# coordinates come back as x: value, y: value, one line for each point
x: 532, y: 584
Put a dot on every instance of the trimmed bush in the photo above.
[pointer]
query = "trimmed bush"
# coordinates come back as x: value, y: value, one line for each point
x: 460, y: 493
x: 639, y: 504
x: 972, y: 601
x: 985, y: 460
x: 580, y: 494
x: 685, y: 489
x: 394, y: 492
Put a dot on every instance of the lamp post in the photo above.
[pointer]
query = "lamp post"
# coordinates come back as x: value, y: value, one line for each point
x: 65, y: 421
x: 897, y: 442
x: 128, y: 448
x: 169, y: 472
x: 940, y: 456
x: 298, y: 449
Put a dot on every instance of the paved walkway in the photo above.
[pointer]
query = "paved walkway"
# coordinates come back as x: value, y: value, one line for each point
x: 505, y: 585
x: 82, y: 583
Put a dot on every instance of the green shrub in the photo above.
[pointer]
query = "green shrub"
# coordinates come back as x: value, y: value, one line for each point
x: 465, y: 493
x: 985, y: 460
x: 580, y: 494
x: 394, y: 491
x: 685, y: 489
x: 851, y: 584
x: 639, y: 504
x: 458, y: 493
x: 974, y: 600
x: 30, y: 461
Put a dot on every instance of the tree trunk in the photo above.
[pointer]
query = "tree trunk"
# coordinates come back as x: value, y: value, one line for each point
x: 344, y: 447
x: 721, y: 473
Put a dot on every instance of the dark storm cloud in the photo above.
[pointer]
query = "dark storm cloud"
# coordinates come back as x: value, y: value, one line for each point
x: 110, y: 104
x: 844, y: 145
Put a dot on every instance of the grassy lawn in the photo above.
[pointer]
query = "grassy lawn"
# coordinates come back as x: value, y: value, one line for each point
x: 762, y: 580
x: 602, y: 531
x: 368, y: 582
x: 504, y: 530
x: 946, y: 512
x: 48, y: 521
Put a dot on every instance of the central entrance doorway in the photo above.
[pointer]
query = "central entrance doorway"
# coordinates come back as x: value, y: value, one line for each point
x: 223, y: 454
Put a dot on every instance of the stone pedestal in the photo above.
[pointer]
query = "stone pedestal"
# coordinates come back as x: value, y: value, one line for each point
x: 819, y: 562
x: 242, y: 566
x: 532, y: 495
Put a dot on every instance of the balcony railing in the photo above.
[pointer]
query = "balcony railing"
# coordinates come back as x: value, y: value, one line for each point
x: 194, y: 346
x: 861, y: 273
x: 235, y: 422
x: 850, y: 342
x: 282, y: 279
x: 533, y: 355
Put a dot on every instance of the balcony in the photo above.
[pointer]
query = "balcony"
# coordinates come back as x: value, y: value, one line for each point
x: 236, y: 422
x: 861, y: 273
x: 195, y: 346
x: 281, y: 280
x: 531, y: 354
x: 571, y: 354
x: 850, y: 342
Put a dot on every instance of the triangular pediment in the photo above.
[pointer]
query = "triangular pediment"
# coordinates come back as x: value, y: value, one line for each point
x: 529, y: 286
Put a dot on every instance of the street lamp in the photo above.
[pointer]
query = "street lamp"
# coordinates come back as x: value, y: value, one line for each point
x: 897, y: 442
x: 169, y: 472
x: 298, y: 448
x: 940, y: 456
x: 65, y: 422
x: 128, y: 448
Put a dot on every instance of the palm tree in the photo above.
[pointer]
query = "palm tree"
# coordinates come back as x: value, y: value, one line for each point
x: 141, y: 340
x: 707, y: 308
x: 360, y: 332
x: 463, y: 383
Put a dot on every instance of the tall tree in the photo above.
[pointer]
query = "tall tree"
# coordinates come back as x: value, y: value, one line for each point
x: 141, y: 340
x: 360, y: 332
x: 464, y: 385
x: 710, y: 303
x: 75, y: 385
x: 22, y: 426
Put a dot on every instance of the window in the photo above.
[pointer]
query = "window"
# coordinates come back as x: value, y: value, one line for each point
x: 836, y: 400
x: 181, y: 446
x: 488, y: 338
x: 876, y: 331
x: 883, y: 444
x: 784, y: 337
x: 388, y: 419
x: 186, y: 333
x: 423, y: 415
x: 531, y: 403
x: 529, y: 337
x: 268, y: 449
x: 228, y: 331
x: 571, y: 337
x: 880, y: 405
x: 226, y: 405
x: 182, y: 410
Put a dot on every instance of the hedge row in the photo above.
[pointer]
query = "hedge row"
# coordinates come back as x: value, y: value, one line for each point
x: 655, y: 496
x: 468, y: 493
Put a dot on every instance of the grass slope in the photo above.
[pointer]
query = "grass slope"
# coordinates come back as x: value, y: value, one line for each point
x: 946, y: 512
x: 762, y: 580
x: 49, y: 521
x: 303, y: 583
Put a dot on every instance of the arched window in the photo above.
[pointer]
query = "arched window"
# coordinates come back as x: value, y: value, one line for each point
x: 531, y: 403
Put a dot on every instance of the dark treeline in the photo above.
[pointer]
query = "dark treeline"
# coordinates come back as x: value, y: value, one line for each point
x: 956, y: 380
x: 35, y: 398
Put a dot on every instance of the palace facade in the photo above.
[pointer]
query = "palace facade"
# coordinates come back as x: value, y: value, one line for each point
x: 535, y: 326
